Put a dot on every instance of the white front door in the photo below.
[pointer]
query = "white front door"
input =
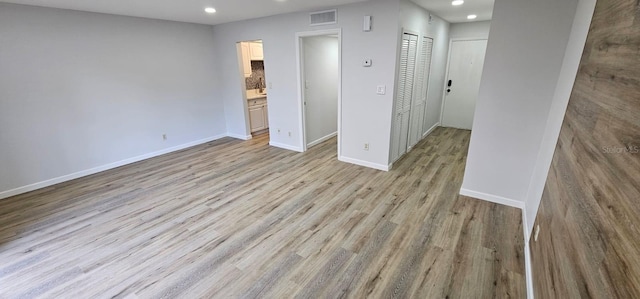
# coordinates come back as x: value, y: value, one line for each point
x: 465, y: 70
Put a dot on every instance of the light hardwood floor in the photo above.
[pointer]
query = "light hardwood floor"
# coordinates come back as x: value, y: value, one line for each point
x: 241, y: 219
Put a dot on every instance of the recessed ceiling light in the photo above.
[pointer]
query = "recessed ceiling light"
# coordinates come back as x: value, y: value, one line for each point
x: 457, y: 2
x: 210, y: 10
x: 471, y: 17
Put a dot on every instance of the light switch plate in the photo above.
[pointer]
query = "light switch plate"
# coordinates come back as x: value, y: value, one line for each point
x: 381, y: 90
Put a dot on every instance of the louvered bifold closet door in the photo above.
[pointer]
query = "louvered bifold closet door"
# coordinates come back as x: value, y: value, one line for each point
x: 419, y: 102
x: 427, y: 48
x: 406, y: 74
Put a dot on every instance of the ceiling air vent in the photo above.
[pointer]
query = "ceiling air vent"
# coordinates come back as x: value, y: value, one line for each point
x: 324, y: 17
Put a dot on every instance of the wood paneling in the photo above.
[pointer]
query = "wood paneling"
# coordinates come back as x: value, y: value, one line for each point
x: 589, y: 243
x: 241, y: 219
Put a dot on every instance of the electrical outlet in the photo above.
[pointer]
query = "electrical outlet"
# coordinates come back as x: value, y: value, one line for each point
x: 366, y: 146
x: 164, y: 137
x: 278, y: 131
x: 535, y: 236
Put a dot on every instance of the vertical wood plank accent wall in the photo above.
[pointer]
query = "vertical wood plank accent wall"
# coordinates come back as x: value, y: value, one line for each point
x: 589, y: 240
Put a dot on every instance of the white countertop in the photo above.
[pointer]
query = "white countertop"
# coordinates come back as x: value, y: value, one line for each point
x: 254, y: 94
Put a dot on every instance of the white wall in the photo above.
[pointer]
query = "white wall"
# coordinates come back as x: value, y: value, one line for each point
x: 366, y: 116
x: 415, y: 18
x: 83, y: 90
x: 477, y: 30
x: 522, y: 67
x: 321, y: 71
x: 573, y: 54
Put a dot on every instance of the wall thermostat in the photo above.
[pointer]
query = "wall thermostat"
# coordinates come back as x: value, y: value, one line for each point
x: 367, y: 62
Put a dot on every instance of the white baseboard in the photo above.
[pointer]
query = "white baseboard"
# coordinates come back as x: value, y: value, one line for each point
x: 525, y: 226
x: 323, y: 139
x: 286, y: 146
x: 79, y: 174
x: 364, y: 163
x: 238, y: 136
x: 493, y: 198
x: 431, y: 130
x: 528, y: 271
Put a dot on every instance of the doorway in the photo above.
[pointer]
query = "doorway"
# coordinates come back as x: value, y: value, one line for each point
x: 319, y: 86
x: 255, y: 97
x: 466, y: 61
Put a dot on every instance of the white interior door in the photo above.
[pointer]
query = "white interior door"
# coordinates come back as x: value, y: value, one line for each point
x: 465, y: 70
x: 409, y: 49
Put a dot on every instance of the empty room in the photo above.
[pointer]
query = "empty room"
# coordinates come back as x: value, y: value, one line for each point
x: 320, y: 149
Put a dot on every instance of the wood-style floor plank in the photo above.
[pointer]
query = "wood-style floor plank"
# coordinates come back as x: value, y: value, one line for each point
x: 588, y: 244
x: 240, y: 219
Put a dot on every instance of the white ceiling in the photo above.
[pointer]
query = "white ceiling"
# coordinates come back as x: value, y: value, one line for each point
x: 458, y: 14
x: 191, y: 11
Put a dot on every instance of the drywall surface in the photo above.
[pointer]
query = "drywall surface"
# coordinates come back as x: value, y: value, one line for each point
x: 521, y: 70
x: 470, y: 30
x: 81, y: 90
x: 366, y: 116
x: 570, y: 65
x: 416, y: 19
x: 321, y: 72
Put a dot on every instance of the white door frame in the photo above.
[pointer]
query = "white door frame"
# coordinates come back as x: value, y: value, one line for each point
x: 300, y: 67
x: 446, y: 78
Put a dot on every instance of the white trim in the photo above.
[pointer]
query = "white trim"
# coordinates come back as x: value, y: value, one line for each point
x: 364, y: 163
x: 430, y: 130
x: 323, y: 139
x: 238, y: 136
x: 528, y: 271
x: 286, y: 146
x: 79, y: 174
x: 525, y: 225
x: 300, y: 68
x: 493, y: 198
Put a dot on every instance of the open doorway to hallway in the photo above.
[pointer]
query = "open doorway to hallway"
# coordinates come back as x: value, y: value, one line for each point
x: 251, y: 63
x: 319, y: 86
